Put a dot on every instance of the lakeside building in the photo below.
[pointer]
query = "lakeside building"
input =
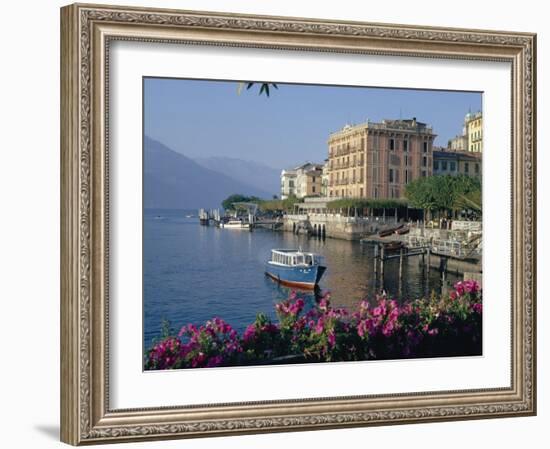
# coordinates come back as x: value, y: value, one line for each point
x: 377, y: 160
x: 459, y: 143
x: 325, y: 179
x: 475, y: 132
x: 471, y: 138
x: 447, y: 162
x: 304, y: 180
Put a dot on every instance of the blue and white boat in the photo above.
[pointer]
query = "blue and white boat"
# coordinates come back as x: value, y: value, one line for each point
x: 295, y: 268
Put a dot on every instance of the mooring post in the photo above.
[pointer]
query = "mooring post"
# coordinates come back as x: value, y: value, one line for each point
x: 429, y: 261
x: 400, y: 264
x: 382, y: 261
x: 376, y: 258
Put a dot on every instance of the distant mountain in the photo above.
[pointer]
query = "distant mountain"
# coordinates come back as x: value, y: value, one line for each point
x: 173, y: 181
x: 258, y: 175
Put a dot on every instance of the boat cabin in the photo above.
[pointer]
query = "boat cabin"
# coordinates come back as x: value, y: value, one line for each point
x: 294, y: 258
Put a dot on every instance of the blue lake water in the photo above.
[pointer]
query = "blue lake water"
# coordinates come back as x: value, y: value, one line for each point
x: 192, y: 273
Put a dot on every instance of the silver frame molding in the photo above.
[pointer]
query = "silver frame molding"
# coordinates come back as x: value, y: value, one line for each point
x: 86, y: 33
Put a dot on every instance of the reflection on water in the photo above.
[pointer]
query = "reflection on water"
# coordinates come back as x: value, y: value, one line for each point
x: 192, y: 272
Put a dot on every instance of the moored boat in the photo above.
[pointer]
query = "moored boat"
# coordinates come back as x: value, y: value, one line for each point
x: 295, y: 268
x: 235, y: 224
x: 390, y: 231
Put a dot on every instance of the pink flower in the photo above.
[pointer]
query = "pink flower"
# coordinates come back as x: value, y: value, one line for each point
x: 320, y: 326
x: 471, y: 286
x: 453, y: 295
x: 477, y: 307
x: 249, y: 333
x: 459, y: 287
x: 324, y: 303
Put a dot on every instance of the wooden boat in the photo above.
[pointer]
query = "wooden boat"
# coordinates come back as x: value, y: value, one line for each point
x: 390, y: 231
x: 402, y: 231
x: 295, y: 268
x: 391, y: 246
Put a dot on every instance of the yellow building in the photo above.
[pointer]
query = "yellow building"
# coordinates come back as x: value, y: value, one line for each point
x: 377, y: 160
x: 474, y: 127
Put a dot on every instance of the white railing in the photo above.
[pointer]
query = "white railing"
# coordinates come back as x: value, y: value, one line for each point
x: 455, y: 248
x: 466, y: 225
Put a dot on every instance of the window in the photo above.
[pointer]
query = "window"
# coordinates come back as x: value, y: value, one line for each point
x: 291, y: 183
x: 313, y: 189
x: 361, y: 192
x: 425, y: 147
x: 313, y: 179
x: 405, y: 145
x: 406, y: 159
x: 423, y: 173
x: 444, y: 165
x: 424, y: 161
x: 406, y: 176
x: 436, y: 165
x: 392, y: 144
x: 477, y: 169
x: 391, y: 175
x: 466, y: 167
x: 453, y: 165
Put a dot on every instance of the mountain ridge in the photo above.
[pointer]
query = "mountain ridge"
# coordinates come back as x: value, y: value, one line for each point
x: 172, y: 180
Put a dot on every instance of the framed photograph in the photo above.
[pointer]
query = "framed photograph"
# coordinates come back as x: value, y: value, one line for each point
x: 279, y: 224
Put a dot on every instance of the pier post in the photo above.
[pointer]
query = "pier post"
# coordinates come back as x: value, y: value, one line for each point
x: 400, y: 264
x: 382, y: 261
x: 429, y: 261
x: 376, y: 258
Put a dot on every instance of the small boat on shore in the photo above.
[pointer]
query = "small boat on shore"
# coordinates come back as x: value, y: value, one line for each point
x: 235, y: 224
x: 390, y: 231
x: 295, y: 268
x: 392, y: 246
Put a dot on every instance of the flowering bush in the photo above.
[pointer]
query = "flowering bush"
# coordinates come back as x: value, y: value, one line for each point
x: 215, y: 343
x: 449, y: 325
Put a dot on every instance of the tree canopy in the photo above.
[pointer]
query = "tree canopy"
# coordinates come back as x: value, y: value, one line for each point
x: 444, y: 193
x: 227, y: 204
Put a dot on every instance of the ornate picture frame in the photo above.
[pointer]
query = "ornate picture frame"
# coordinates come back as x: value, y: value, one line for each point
x: 87, y: 31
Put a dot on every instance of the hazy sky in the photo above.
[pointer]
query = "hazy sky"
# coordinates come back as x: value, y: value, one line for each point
x: 209, y: 118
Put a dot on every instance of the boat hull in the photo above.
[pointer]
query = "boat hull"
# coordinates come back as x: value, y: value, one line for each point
x: 306, y: 277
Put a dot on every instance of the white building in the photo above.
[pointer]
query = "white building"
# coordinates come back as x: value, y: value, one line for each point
x: 302, y: 181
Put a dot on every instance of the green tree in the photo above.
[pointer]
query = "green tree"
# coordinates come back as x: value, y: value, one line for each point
x: 444, y: 193
x: 227, y: 204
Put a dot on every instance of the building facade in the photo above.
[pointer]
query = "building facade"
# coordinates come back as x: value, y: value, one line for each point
x: 459, y: 143
x: 288, y: 184
x: 474, y: 124
x: 454, y: 163
x: 325, y: 179
x: 471, y: 138
x: 377, y: 160
x: 302, y: 181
